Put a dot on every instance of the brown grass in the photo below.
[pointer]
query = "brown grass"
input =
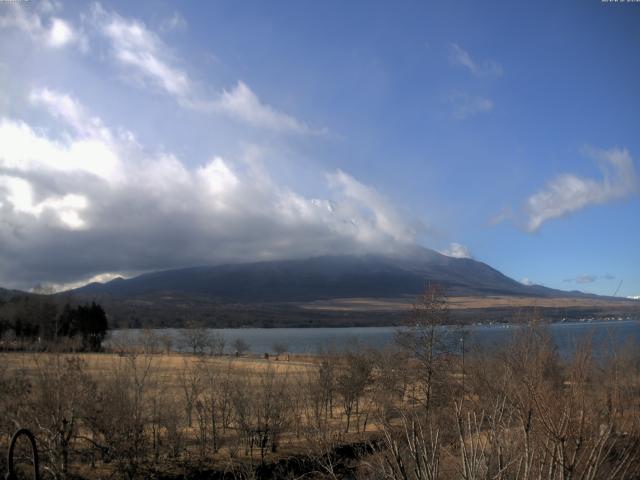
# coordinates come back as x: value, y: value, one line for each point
x: 166, y: 366
x: 399, y: 304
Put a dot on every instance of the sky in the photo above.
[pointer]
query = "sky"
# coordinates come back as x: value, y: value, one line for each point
x: 138, y: 136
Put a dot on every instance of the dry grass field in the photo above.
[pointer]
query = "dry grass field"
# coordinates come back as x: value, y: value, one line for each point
x: 455, y: 303
x: 258, y: 409
x: 494, y: 413
x: 168, y: 366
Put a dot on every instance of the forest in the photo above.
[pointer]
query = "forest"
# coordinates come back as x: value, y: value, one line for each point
x: 40, y: 322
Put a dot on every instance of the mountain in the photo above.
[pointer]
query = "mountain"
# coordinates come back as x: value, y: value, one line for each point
x: 326, y: 277
x: 331, y: 291
x: 7, y: 294
x: 339, y: 290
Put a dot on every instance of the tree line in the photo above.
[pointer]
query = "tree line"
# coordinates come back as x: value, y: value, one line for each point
x: 38, y: 321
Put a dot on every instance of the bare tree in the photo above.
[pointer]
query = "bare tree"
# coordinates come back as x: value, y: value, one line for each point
x: 195, y: 338
x: 171, y: 423
x: 117, y: 413
x: 191, y: 377
x: 59, y: 387
x: 166, y: 341
x: 150, y: 341
x: 216, y: 343
x: 424, y: 341
x: 240, y: 346
x: 353, y: 378
x: 212, y: 402
x: 261, y: 411
x: 279, y: 348
x: 411, y: 452
x: 121, y: 342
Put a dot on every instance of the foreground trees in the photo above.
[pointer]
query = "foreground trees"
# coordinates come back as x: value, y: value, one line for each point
x: 524, y: 413
x: 518, y: 411
x: 88, y: 322
x: 38, y: 320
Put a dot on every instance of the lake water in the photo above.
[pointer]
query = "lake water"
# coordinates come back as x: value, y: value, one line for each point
x: 311, y: 340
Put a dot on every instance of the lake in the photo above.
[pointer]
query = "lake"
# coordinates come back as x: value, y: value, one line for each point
x: 311, y: 340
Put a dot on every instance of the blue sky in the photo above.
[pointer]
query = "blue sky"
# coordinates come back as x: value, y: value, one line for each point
x: 144, y: 135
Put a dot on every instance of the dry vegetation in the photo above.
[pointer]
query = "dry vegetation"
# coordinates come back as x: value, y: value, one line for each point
x: 419, y: 411
x: 455, y: 303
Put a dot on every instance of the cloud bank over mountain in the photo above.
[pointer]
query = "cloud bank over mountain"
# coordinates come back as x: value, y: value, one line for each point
x: 88, y: 200
x: 81, y: 199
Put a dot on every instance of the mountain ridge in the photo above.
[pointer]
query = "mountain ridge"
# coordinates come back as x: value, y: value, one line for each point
x: 331, y: 291
x: 328, y: 276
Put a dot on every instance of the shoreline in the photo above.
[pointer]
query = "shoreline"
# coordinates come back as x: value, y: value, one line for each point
x: 541, y: 322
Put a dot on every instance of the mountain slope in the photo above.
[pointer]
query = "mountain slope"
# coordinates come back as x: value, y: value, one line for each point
x: 325, y: 277
x: 7, y: 294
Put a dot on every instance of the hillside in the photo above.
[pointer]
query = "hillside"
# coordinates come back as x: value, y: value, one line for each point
x: 334, y: 291
x: 6, y: 294
x: 325, y: 278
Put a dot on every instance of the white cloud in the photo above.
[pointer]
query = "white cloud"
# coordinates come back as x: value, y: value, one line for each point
x: 505, y: 214
x: 634, y: 297
x: 19, y: 194
x: 88, y: 201
x: 148, y: 59
x: 136, y: 47
x: 365, y: 212
x: 584, y: 278
x: 569, y: 193
x: 60, y: 33
x: 243, y: 104
x: 39, y: 24
x: 218, y: 178
x: 90, y: 147
x: 49, y: 287
x: 68, y: 109
x: 460, y: 57
x: 465, y: 106
x: 47, y: 7
x: 175, y: 22
x: 527, y: 282
x: 25, y: 150
x: 456, y: 250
